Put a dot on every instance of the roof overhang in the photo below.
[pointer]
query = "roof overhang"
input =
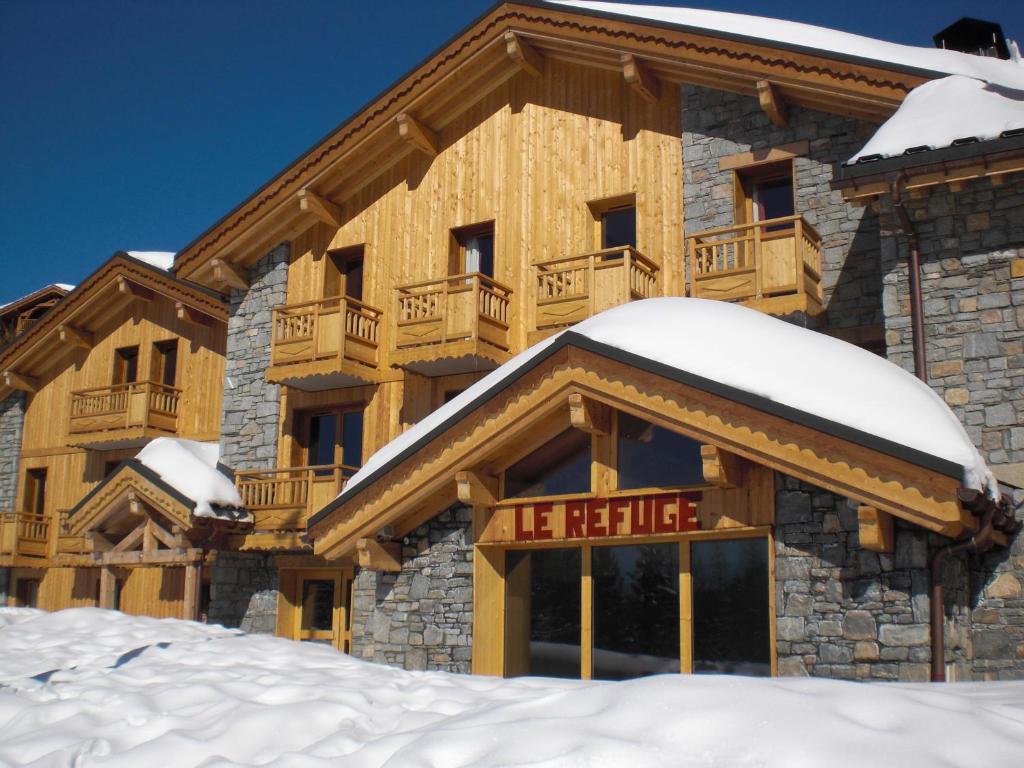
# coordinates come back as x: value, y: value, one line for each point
x: 419, y: 481
x: 489, y: 52
x: 120, y: 281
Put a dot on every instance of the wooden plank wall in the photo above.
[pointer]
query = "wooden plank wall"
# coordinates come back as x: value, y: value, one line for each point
x: 69, y: 588
x: 156, y: 592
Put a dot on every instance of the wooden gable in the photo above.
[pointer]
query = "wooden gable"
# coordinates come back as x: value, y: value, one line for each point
x: 422, y: 481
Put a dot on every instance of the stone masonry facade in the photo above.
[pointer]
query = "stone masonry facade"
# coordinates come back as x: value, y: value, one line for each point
x: 422, y: 616
x: 243, y: 592
x: 717, y: 124
x: 249, y: 424
x: 12, y: 419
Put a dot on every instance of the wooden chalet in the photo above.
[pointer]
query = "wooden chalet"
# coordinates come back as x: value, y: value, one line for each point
x: 595, y: 515
x: 17, y: 316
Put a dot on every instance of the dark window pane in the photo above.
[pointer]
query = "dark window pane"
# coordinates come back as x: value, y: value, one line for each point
x: 318, y: 604
x: 126, y: 365
x: 773, y: 200
x: 618, y: 228
x: 322, y: 438
x: 166, y: 353
x: 354, y: 279
x: 543, y: 604
x: 352, y: 439
x: 484, y: 245
x: 730, y: 607
x: 636, y: 611
x: 653, y: 457
x: 559, y: 466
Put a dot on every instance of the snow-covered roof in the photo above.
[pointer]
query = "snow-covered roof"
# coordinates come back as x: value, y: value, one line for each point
x: 792, y: 33
x: 758, y: 354
x: 66, y: 287
x: 190, y: 467
x: 160, y: 259
x: 942, y: 112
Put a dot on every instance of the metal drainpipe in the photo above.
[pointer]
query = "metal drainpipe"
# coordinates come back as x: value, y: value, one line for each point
x: 979, y: 542
x: 914, y: 268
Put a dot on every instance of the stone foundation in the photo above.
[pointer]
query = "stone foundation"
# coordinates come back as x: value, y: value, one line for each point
x: 243, y: 592
x: 421, y: 617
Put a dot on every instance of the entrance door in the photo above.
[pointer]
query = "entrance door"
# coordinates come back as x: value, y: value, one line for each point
x: 322, y: 615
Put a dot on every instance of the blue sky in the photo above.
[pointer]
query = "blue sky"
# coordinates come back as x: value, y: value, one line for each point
x: 137, y: 124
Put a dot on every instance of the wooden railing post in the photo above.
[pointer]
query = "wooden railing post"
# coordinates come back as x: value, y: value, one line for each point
x: 798, y: 255
x: 343, y: 330
x: 591, y: 286
x: 758, y: 266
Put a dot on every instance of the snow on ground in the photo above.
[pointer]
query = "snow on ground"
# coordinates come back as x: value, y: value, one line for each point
x: 822, y: 376
x: 936, y: 114
x: 1008, y: 73
x: 191, y: 468
x: 130, y: 691
x: 160, y: 259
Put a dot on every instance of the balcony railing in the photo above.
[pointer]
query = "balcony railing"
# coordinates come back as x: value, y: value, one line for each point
x: 767, y: 260
x: 573, y: 288
x: 283, y: 499
x: 24, y: 533
x: 461, y: 308
x: 142, y: 405
x: 337, y: 329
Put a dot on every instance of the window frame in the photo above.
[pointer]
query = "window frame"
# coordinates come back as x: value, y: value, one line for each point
x: 336, y: 264
x: 457, y: 248
x: 746, y: 179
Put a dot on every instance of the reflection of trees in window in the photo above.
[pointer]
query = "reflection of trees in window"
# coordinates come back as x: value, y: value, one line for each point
x: 562, y: 465
x: 653, y: 457
x: 730, y: 607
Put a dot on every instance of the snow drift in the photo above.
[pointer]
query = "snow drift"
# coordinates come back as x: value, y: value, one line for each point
x: 87, y: 687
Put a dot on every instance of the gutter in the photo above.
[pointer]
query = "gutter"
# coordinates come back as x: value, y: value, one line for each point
x: 914, y: 268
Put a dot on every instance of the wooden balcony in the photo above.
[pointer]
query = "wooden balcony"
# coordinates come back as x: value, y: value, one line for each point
x: 281, y: 500
x: 325, y: 344
x: 455, y: 325
x: 123, y: 414
x: 773, y: 265
x: 23, y: 535
x: 573, y: 288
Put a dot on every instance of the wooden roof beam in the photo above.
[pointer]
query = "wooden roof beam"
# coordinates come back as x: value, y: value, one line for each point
x: 477, y: 490
x: 328, y: 212
x: 76, y: 337
x: 523, y: 54
x: 420, y: 136
x: 21, y: 381
x: 379, y: 556
x: 772, y: 102
x: 133, y: 289
x: 721, y: 468
x: 226, y: 274
x: 589, y: 415
x: 640, y: 78
x: 188, y: 314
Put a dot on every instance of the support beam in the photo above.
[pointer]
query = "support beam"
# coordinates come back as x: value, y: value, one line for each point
x: 193, y: 580
x: 477, y: 490
x: 640, y: 79
x: 226, y: 273
x: 589, y: 415
x: 772, y: 103
x: 323, y: 209
x: 876, y: 530
x: 21, y: 381
x: 192, y: 315
x: 524, y: 54
x: 722, y: 468
x: 76, y: 337
x: 98, y: 542
x: 149, y: 544
x: 134, y: 290
x: 108, y: 588
x: 379, y: 556
x: 135, y: 505
x: 417, y: 134
x: 160, y: 557
x: 130, y: 541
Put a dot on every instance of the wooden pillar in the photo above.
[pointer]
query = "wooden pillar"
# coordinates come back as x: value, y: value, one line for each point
x: 108, y: 587
x: 193, y: 578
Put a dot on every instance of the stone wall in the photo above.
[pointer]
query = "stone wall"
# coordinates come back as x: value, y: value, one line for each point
x: 243, y: 592
x: 12, y: 420
x: 248, y: 433
x: 718, y: 123
x: 422, y: 616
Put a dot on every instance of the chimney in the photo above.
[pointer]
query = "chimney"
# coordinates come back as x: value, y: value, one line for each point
x: 982, y: 38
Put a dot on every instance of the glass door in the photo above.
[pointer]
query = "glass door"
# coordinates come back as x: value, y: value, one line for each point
x: 323, y: 598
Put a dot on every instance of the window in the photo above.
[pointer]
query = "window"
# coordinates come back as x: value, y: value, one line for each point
x: 560, y: 466
x: 333, y: 437
x: 164, y: 363
x: 473, y: 249
x: 650, y: 456
x: 26, y: 593
x: 126, y: 365
x: 343, y: 273
x: 765, y: 192
x: 35, y: 491
x: 618, y: 227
